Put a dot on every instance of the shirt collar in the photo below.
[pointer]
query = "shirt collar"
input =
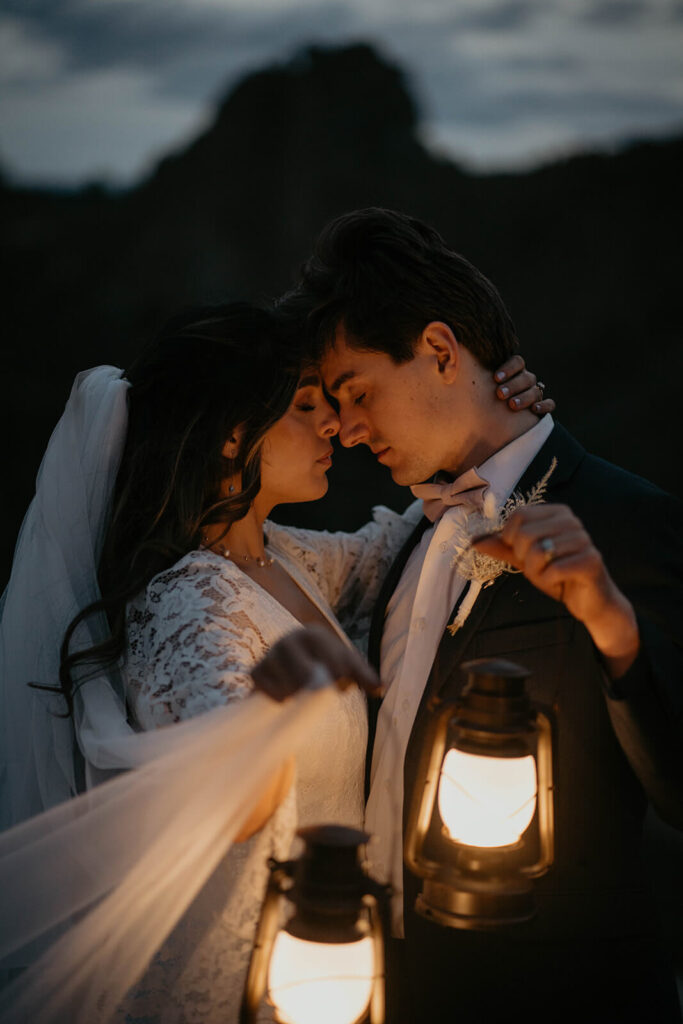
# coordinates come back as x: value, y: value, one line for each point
x: 505, y: 467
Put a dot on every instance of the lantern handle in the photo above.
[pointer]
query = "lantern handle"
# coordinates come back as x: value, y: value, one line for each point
x: 546, y: 816
x: 266, y: 930
x: 424, y: 796
x: 378, y: 903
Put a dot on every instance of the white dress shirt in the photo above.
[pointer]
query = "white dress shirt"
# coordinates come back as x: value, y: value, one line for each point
x: 416, y: 618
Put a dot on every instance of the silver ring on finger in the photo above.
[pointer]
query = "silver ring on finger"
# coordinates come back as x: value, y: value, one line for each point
x: 547, y: 546
x: 541, y: 387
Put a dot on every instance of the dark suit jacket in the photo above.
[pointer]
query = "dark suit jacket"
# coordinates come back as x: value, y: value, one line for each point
x: 616, y: 745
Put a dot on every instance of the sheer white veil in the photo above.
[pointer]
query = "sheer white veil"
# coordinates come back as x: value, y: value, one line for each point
x: 92, y: 886
x: 54, y: 576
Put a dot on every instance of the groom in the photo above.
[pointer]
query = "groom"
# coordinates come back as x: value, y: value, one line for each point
x: 407, y: 332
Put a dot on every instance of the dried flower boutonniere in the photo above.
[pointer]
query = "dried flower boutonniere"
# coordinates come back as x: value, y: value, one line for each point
x: 483, y: 569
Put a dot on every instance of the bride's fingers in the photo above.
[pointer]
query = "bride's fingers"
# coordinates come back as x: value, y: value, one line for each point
x: 283, y: 672
x: 342, y: 662
x: 509, y: 368
x: 520, y: 388
x: 522, y: 385
x: 546, y: 405
x: 523, y: 392
x: 307, y: 657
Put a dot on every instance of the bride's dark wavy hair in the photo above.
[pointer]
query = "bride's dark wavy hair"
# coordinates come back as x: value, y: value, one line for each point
x: 208, y: 373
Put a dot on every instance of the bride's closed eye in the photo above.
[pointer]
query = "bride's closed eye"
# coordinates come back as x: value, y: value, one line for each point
x: 305, y: 399
x: 308, y: 392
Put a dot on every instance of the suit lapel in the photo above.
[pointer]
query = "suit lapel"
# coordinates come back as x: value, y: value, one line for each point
x: 450, y: 650
x: 561, y: 446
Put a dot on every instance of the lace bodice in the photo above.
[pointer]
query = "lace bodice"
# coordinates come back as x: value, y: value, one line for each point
x: 193, y: 636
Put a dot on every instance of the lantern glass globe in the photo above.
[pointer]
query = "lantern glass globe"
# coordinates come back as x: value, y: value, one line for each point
x: 486, y: 801
x: 310, y: 982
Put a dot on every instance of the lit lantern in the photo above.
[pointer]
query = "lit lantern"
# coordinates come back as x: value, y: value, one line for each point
x: 480, y: 826
x: 326, y: 963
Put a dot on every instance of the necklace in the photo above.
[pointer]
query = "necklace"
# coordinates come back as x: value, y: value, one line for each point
x: 262, y: 561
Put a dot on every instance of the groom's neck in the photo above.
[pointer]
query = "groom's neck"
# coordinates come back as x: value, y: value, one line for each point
x: 487, y: 429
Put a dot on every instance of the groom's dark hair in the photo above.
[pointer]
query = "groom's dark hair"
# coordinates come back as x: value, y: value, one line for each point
x: 384, y: 276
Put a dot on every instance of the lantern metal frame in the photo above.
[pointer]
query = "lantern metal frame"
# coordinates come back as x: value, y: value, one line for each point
x: 335, y: 901
x: 476, y: 887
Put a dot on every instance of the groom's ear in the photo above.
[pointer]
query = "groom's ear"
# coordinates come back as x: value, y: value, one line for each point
x: 438, y: 340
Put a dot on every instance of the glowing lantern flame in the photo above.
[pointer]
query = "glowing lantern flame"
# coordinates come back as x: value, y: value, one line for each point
x: 310, y: 982
x: 486, y: 801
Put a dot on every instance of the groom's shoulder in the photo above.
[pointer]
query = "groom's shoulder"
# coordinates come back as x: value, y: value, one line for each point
x: 611, y: 479
x: 599, y: 490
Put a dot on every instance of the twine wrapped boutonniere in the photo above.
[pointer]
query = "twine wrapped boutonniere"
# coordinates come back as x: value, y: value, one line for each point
x: 481, y: 569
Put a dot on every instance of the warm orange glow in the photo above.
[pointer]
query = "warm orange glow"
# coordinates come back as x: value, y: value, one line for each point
x: 486, y: 801
x: 311, y: 982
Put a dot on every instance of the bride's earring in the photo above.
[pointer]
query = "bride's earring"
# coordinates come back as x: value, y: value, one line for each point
x: 229, y: 452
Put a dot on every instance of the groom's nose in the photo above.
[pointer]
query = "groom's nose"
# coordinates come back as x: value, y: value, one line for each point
x: 352, y: 430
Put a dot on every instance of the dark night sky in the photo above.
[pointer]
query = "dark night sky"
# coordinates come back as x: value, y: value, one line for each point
x: 101, y: 88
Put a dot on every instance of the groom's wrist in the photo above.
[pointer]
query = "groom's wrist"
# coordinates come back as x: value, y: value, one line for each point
x: 614, y: 631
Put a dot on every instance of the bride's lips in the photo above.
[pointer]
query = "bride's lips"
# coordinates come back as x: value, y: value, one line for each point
x: 326, y: 459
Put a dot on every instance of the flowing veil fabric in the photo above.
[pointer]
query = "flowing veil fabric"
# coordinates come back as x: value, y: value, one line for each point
x: 93, y: 885
x: 54, y: 576
x: 133, y: 853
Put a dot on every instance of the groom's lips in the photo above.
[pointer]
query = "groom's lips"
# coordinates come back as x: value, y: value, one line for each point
x: 381, y: 454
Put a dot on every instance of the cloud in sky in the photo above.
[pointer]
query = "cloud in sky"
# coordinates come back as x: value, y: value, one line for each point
x: 103, y: 87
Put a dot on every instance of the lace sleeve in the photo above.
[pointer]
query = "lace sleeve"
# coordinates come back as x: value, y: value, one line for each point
x: 348, y: 568
x: 193, y: 637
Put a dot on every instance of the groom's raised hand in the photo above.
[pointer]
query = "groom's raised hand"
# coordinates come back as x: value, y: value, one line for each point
x: 294, y: 662
x: 550, y: 545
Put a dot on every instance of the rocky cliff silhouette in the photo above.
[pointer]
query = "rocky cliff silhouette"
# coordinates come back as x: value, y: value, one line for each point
x: 585, y: 252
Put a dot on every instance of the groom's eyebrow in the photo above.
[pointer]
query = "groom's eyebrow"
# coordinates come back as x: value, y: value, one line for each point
x: 342, y: 379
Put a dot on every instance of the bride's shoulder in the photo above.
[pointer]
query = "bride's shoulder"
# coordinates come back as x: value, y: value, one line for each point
x: 200, y: 576
x: 280, y: 536
x: 384, y: 525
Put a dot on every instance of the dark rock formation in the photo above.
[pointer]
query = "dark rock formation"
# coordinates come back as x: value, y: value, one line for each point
x: 585, y: 252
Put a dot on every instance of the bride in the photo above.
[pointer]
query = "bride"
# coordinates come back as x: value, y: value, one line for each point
x: 172, y: 605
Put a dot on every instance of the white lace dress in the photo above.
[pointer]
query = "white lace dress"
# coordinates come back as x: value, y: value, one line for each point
x: 193, y: 636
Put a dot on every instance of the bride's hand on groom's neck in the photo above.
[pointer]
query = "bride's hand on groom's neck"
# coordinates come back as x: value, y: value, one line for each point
x: 309, y: 656
x: 520, y: 389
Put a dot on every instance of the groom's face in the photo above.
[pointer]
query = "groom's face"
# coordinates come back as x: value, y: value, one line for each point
x: 392, y: 408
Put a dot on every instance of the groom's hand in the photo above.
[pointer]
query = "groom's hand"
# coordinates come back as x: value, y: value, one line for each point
x: 550, y: 545
x: 295, y: 660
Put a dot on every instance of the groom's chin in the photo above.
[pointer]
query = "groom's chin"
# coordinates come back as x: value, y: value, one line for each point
x: 402, y: 476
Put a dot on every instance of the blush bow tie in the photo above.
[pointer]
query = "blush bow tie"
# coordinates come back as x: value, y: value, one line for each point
x: 467, y: 489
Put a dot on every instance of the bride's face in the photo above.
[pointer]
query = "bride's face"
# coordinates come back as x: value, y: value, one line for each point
x: 297, y: 450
